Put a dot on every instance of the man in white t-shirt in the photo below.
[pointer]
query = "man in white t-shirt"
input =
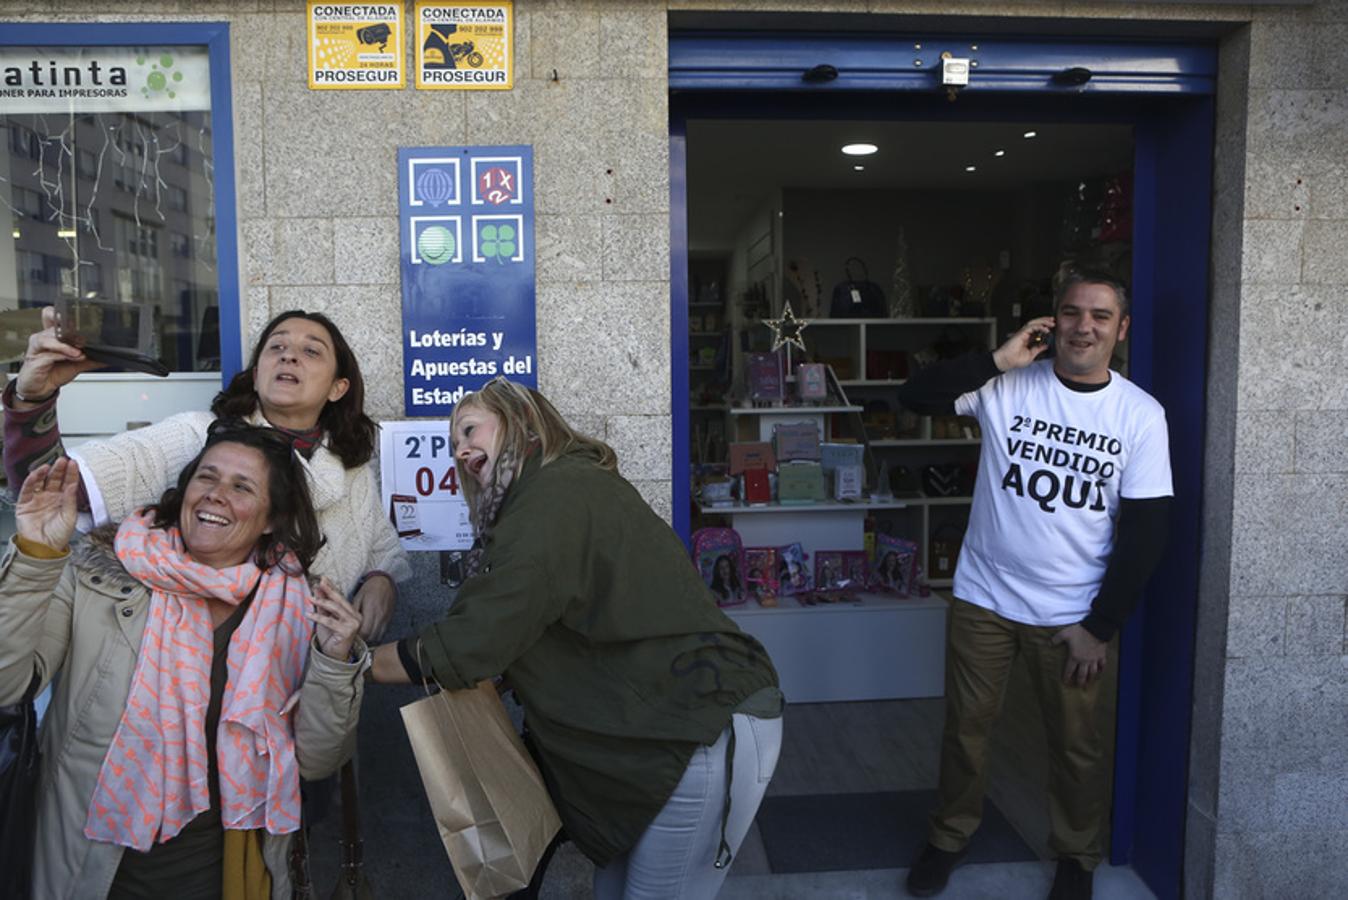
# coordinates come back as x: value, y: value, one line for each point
x: 1068, y: 522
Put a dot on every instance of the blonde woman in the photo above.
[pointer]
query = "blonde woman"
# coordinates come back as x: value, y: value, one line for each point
x: 656, y: 722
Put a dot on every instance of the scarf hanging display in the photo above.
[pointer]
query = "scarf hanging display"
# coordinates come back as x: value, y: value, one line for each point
x: 154, y: 779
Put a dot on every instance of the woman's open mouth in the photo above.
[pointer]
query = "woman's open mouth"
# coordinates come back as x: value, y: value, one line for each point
x: 287, y: 378
x: 206, y: 518
x: 477, y: 464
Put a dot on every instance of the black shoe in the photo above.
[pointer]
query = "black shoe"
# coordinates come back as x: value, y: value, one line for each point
x: 1072, y: 882
x: 931, y: 871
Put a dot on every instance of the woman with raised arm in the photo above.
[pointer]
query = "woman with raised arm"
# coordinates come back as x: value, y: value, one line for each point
x: 303, y: 380
x: 196, y: 675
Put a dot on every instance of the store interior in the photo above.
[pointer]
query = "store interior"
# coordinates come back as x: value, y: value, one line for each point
x: 958, y: 228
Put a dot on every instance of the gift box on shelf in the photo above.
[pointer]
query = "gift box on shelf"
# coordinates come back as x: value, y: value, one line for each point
x: 796, y: 440
x: 764, y: 377
x: 812, y: 382
x: 757, y: 487
x: 848, y: 481
x: 800, y: 482
x: 832, y: 455
x: 745, y: 455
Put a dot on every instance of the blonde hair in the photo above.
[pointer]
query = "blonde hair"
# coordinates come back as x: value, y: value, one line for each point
x: 527, y: 420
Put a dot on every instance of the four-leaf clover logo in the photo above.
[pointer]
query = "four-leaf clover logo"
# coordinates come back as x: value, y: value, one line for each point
x: 498, y: 242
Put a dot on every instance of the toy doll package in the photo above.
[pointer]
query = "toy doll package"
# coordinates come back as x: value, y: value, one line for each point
x: 719, y: 556
x: 760, y: 567
x: 792, y: 572
x: 894, y: 568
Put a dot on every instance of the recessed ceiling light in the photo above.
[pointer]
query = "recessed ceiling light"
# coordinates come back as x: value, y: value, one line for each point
x: 858, y: 168
x: 17, y: 233
x: 998, y: 152
x: 971, y: 168
x: 66, y: 233
x: 859, y: 149
x: 1030, y: 134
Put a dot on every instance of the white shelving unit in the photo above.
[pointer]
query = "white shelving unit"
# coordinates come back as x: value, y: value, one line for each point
x: 895, y: 647
x: 882, y: 648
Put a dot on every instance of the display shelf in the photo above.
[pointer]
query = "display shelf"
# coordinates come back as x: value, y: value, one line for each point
x: 872, y: 382
x: 708, y: 407
x: 953, y: 320
x: 925, y: 442
x: 885, y: 648
x: 791, y: 410
x: 831, y: 506
x: 827, y: 506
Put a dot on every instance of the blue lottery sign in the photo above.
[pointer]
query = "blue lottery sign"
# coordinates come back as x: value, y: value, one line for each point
x: 467, y: 272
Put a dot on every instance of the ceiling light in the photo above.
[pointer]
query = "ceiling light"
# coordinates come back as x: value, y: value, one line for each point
x: 17, y: 234
x: 859, y: 149
x: 971, y: 168
x: 66, y: 233
x: 858, y: 168
x: 1030, y: 134
x: 998, y: 152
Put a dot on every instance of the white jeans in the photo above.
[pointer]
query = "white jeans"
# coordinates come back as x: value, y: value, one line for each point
x: 675, y: 857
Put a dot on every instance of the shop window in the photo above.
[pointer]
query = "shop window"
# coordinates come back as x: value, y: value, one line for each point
x: 107, y: 145
x: 180, y: 245
x: 177, y: 198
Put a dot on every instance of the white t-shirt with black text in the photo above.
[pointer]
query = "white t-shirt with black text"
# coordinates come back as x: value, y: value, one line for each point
x: 1053, y: 466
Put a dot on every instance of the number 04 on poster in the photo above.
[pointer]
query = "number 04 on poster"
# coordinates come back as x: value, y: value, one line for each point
x: 420, y: 486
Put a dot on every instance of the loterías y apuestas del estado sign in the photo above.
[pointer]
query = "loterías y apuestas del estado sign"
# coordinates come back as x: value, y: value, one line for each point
x: 104, y: 79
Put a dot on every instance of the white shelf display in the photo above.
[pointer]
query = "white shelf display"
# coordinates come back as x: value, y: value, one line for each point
x: 883, y: 647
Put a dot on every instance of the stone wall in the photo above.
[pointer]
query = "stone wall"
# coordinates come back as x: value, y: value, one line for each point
x: 318, y: 226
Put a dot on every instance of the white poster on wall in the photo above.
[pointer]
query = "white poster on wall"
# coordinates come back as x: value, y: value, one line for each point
x: 104, y: 79
x: 420, y: 486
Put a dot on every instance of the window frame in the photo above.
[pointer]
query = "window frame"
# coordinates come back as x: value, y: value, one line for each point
x: 214, y: 36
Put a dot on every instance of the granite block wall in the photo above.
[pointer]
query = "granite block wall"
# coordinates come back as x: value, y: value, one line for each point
x: 317, y: 206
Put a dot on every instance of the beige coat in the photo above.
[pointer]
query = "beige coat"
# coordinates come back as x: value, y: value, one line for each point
x: 83, y: 622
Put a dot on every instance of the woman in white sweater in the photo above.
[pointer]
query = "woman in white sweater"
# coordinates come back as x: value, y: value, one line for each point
x: 302, y: 380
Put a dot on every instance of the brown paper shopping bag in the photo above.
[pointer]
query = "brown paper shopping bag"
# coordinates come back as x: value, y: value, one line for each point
x: 490, y: 804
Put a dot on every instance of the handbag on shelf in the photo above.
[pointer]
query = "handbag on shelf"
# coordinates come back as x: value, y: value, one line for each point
x: 488, y: 799
x: 857, y: 298
x: 19, y: 761
x: 944, y: 551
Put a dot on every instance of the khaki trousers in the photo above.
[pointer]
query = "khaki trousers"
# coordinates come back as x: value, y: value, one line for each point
x: 980, y: 650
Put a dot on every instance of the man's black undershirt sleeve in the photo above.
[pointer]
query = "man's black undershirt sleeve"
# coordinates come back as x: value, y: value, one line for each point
x: 1139, y: 543
x: 932, y: 391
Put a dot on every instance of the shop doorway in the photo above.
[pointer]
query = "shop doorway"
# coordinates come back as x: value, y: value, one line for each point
x: 1088, y: 150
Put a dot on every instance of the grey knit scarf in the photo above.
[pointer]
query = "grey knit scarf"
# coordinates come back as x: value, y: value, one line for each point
x: 488, y: 506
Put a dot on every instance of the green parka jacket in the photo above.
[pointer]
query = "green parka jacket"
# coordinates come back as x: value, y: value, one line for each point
x: 590, y: 606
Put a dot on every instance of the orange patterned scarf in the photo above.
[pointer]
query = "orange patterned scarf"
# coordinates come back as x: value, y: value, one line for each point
x: 154, y: 779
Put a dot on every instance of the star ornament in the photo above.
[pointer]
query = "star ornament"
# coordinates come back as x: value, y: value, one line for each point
x: 787, y: 329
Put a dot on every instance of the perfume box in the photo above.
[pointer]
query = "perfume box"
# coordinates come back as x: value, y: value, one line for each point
x: 751, y: 455
x: 796, y: 440
x: 800, y: 482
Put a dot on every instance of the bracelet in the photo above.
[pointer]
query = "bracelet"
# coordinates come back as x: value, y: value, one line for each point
x: 34, y: 400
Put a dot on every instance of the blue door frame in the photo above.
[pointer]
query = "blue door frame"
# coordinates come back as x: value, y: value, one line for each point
x: 215, y: 37
x: 1164, y: 92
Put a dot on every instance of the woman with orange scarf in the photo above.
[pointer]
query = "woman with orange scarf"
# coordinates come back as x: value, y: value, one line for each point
x: 201, y: 676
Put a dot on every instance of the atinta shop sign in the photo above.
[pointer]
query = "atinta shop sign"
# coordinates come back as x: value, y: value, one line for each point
x: 467, y: 271
x: 104, y: 79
